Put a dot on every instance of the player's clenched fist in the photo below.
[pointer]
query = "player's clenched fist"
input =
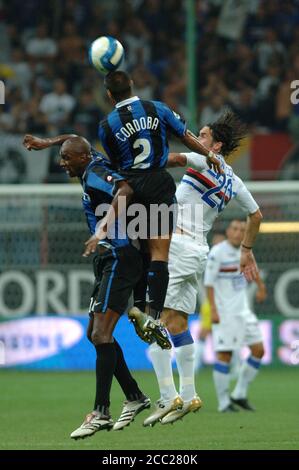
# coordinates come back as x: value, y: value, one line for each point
x: 34, y: 143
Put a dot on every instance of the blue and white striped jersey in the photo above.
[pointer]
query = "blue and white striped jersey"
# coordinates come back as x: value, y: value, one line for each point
x: 134, y: 135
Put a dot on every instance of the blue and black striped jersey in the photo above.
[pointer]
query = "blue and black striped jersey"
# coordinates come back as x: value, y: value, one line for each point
x: 99, y: 186
x: 134, y: 135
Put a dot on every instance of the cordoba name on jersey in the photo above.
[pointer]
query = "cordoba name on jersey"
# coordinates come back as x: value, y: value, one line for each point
x: 136, y: 125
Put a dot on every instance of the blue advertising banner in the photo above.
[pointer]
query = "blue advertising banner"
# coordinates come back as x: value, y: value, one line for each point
x: 56, y: 342
x: 60, y: 343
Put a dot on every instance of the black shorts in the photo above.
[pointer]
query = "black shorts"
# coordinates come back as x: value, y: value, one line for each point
x: 116, y: 273
x: 154, y: 188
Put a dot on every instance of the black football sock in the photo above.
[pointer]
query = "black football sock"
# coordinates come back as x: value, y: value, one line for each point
x: 105, y: 367
x: 157, y: 279
x: 141, y: 286
x: 123, y: 376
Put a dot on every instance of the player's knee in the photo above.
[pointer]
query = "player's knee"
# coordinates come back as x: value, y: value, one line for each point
x: 258, y: 350
x: 224, y: 356
x: 176, y: 328
x: 99, y: 337
x: 159, y: 249
x: 89, y: 329
x: 175, y: 322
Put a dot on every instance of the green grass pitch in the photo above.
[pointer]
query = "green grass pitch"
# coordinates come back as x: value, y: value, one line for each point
x: 40, y: 410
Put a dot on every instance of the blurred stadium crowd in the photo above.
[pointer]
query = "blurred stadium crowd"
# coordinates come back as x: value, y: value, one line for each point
x: 50, y: 86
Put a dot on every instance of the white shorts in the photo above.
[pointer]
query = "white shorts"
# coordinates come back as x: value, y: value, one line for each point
x: 187, y: 262
x: 236, y: 331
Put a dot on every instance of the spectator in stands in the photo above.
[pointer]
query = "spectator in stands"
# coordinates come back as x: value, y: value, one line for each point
x: 269, y: 49
x: 42, y: 46
x: 245, y: 74
x: 144, y: 83
x: 244, y: 105
x: 71, y: 46
x: 86, y: 116
x: 268, y: 81
x: 58, y: 105
x: 213, y: 110
x: 22, y: 72
x: 136, y: 39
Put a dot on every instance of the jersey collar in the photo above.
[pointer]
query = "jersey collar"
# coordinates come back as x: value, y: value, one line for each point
x: 234, y: 248
x: 127, y: 101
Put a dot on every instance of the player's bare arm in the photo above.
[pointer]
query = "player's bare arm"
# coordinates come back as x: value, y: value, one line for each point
x: 248, y: 264
x: 176, y: 159
x: 261, y: 293
x: 211, y: 298
x: 32, y: 142
x: 124, y: 193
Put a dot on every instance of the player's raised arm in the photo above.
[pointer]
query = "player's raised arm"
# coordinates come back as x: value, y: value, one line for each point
x: 32, y: 142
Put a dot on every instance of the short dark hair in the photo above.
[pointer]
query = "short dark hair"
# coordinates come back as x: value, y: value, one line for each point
x: 229, y: 130
x: 241, y: 220
x: 218, y: 232
x: 119, y: 84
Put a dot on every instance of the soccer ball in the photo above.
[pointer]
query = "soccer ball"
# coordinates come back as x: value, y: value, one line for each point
x: 106, y: 54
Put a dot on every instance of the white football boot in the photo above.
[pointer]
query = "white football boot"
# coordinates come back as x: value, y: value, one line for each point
x: 193, y: 406
x: 129, y: 411
x: 93, y: 422
x: 162, y: 408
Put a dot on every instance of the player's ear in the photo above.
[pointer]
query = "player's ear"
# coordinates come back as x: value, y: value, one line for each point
x: 217, y: 147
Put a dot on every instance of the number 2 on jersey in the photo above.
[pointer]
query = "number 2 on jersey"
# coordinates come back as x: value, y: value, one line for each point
x: 145, y: 153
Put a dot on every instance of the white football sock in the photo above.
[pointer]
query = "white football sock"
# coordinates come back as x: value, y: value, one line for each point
x: 161, y: 360
x: 247, y: 374
x: 221, y: 381
x: 184, y: 356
